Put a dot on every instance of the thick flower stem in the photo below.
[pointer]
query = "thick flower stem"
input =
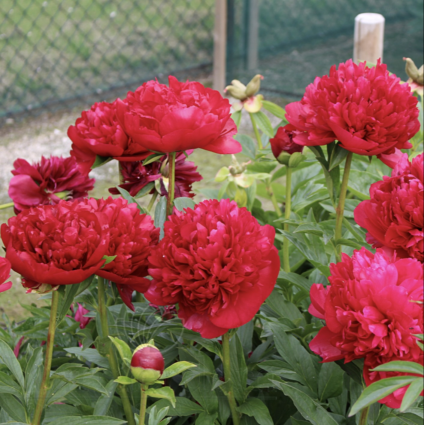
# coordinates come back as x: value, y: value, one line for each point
x: 255, y: 129
x: 227, y: 374
x: 121, y: 390
x: 143, y: 404
x: 363, y: 420
x: 45, y: 383
x: 287, y: 212
x: 4, y: 206
x: 341, y: 205
x: 171, y: 186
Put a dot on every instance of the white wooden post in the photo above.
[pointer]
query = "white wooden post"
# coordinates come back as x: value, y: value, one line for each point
x: 368, y: 38
x: 220, y: 45
x: 253, y: 34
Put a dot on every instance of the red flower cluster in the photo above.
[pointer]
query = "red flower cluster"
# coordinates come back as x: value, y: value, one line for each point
x: 217, y: 263
x: 366, y: 109
x: 39, y: 183
x: 5, y: 275
x: 394, y: 215
x: 135, y: 176
x: 371, y: 311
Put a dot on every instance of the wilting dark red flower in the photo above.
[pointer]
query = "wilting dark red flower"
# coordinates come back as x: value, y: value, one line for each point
x: 5, y: 275
x: 217, y: 263
x: 97, y: 132
x: 39, y: 183
x: 80, y: 316
x: 394, y: 215
x: 136, y: 176
x: 369, y: 308
x: 55, y: 245
x: 132, y: 236
x: 283, y: 141
x: 177, y: 118
x: 366, y: 109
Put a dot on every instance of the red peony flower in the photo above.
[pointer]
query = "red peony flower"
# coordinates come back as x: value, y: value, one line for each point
x: 394, y: 215
x: 38, y: 184
x: 177, y: 118
x: 80, y: 316
x: 366, y: 109
x: 283, y: 141
x: 132, y: 236
x: 97, y: 132
x: 391, y: 159
x: 369, y: 308
x: 217, y: 263
x: 55, y: 244
x: 136, y: 176
x: 5, y: 275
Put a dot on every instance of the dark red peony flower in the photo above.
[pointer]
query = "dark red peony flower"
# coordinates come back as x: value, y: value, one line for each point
x: 217, y: 263
x: 97, y: 132
x: 39, y: 184
x: 369, y: 308
x: 55, y: 245
x: 5, y: 275
x: 177, y: 118
x: 132, y: 236
x: 394, y: 215
x: 283, y: 141
x: 366, y: 109
x: 136, y: 176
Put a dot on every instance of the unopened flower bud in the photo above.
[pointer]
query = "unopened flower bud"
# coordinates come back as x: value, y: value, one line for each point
x: 239, y: 84
x: 413, y: 72
x: 254, y: 85
x: 236, y: 92
x: 284, y: 148
x: 147, y: 364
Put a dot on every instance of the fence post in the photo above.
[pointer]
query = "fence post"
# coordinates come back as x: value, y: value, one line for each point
x: 253, y: 34
x: 220, y: 44
x: 369, y: 37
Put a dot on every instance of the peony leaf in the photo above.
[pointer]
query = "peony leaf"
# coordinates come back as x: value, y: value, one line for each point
x: 146, y: 189
x: 125, y: 380
x: 100, y: 160
x: 350, y: 242
x: 337, y: 156
x: 248, y: 145
x: 181, y: 203
x: 263, y: 123
x: 123, y: 349
x: 256, y: 408
x: 401, y: 366
x: 87, y: 420
x: 105, y: 400
x: 236, y: 116
x: 296, y: 280
x: 160, y: 215
x: 164, y: 392
x: 8, y: 358
x: 153, y: 158
x: 176, y: 369
x: 238, y: 369
x: 412, y: 393
x: 275, y: 110
x: 330, y: 381
x: 108, y: 259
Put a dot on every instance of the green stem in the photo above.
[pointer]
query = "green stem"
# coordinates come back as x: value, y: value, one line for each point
x: 121, y: 390
x: 227, y: 374
x: 273, y: 198
x: 9, y: 205
x: 341, y: 205
x: 152, y: 201
x: 171, y: 186
x: 143, y: 404
x: 287, y: 212
x: 45, y: 383
x: 364, y: 416
x: 255, y: 129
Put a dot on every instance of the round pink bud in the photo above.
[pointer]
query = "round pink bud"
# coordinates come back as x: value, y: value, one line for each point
x: 147, y: 364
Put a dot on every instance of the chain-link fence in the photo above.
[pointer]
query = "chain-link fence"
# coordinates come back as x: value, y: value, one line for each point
x: 300, y: 39
x: 59, y: 52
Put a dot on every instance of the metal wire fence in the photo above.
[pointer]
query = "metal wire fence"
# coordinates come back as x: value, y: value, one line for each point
x: 57, y: 52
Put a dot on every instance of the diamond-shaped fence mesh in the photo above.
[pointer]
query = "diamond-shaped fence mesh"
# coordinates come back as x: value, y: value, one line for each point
x: 55, y: 53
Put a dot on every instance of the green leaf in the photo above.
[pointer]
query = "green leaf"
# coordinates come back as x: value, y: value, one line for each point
x: 156, y: 416
x: 9, y: 386
x: 8, y: 358
x: 262, y: 166
x: 248, y: 145
x: 236, y: 116
x: 349, y: 242
x: 108, y: 259
x: 238, y: 369
x: 201, y: 390
x: 126, y: 195
x: 89, y: 354
x: 338, y: 155
x: 181, y: 203
x: 146, y: 190
x: 360, y: 182
x: 123, y: 349
x: 183, y: 407
x: 412, y: 393
x: 379, y: 390
x: 13, y: 407
x: 330, y: 381
x: 295, y: 279
x: 401, y: 366
x: 176, y: 369
x: 33, y: 377
x: 275, y: 110
x: 104, y: 402
x: 100, y: 160
x: 153, y: 158
x: 160, y: 214
x: 206, y: 419
x: 87, y: 420
x: 164, y: 392
x: 308, y: 408
x: 256, y: 408
x: 125, y: 380
x: 263, y: 123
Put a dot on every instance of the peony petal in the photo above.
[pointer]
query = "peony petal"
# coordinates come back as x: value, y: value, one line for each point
x: 321, y: 345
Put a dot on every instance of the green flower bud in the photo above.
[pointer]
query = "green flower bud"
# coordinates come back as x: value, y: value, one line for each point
x: 236, y: 92
x: 413, y: 72
x: 254, y: 85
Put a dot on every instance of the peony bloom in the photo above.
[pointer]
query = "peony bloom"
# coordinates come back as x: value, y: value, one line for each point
x: 55, y: 244
x: 394, y: 215
x: 38, y: 184
x: 370, y: 308
x: 177, y: 118
x: 366, y: 109
x: 217, y: 263
x: 136, y: 176
x: 283, y: 146
x: 132, y: 236
x: 147, y: 364
x: 5, y: 275
x: 80, y: 316
x: 97, y: 132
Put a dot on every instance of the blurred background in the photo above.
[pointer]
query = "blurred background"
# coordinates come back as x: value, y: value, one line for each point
x: 58, y: 57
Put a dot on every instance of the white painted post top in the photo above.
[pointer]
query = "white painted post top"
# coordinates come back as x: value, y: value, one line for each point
x: 369, y: 37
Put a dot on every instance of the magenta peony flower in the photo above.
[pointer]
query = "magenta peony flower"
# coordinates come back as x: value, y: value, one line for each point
x: 394, y: 215
x: 136, y: 176
x: 38, y: 184
x: 217, y: 263
x: 177, y: 118
x: 80, y: 316
x: 366, y: 109
x: 283, y: 141
x: 5, y: 275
